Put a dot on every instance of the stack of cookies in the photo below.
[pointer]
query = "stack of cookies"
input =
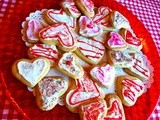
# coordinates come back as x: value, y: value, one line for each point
x: 84, y: 45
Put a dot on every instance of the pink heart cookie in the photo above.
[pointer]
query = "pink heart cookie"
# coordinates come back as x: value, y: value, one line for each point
x: 84, y: 90
x: 87, y: 28
x: 70, y: 8
x: 48, y: 91
x: 60, y: 35
x: 116, y: 42
x: 115, y: 109
x: 59, y: 16
x: 129, y: 88
x: 43, y: 50
x: 103, y: 74
x: 90, y: 50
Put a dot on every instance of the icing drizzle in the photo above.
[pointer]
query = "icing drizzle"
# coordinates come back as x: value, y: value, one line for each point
x: 89, y: 5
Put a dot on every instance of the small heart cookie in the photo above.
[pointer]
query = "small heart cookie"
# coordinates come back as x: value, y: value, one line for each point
x: 70, y: 8
x: 115, y: 42
x: 94, y: 110
x: 119, y: 21
x: 86, y: 7
x: 43, y: 50
x: 104, y: 75
x: 48, y: 91
x: 129, y: 88
x: 30, y: 72
x: 87, y: 28
x: 84, y: 90
x: 90, y: 50
x: 58, y: 34
x: 59, y: 16
x: 132, y: 41
x: 115, y: 109
x: 68, y: 65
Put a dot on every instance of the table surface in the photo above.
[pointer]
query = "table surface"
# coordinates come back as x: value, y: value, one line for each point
x: 147, y: 11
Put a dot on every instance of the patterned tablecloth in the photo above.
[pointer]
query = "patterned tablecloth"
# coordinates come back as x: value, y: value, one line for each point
x: 147, y: 11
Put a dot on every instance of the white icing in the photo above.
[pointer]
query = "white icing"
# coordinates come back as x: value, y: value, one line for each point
x: 93, y: 50
x: 89, y: 5
x: 32, y: 71
x: 71, y: 69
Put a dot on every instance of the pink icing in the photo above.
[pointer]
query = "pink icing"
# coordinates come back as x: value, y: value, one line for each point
x: 89, y: 5
x: 87, y: 27
x: 86, y: 90
x: 116, y: 40
x: 104, y: 75
x: 60, y: 32
x: 34, y: 27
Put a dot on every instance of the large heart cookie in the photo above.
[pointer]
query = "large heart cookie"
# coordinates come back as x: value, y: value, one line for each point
x: 129, y: 88
x: 68, y: 65
x: 58, y: 34
x: 115, y: 109
x: 30, y: 72
x: 119, y: 21
x: 94, y: 110
x: 84, y: 90
x: 87, y: 28
x: 103, y: 74
x: 48, y: 91
x: 115, y: 42
x: 43, y: 50
x: 90, y: 50
x: 60, y: 16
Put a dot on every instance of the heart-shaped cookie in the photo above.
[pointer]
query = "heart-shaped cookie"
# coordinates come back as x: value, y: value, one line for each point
x: 59, y: 16
x: 115, y: 42
x: 94, y: 110
x: 119, y: 21
x: 87, y: 28
x: 30, y: 72
x: 58, y: 34
x: 84, y: 90
x: 104, y: 75
x: 43, y: 50
x: 129, y: 88
x: 115, y: 109
x: 48, y: 91
x: 68, y: 65
x: 90, y: 50
x: 70, y: 8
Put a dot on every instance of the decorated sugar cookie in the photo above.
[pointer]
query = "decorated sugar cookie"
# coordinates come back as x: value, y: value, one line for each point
x: 30, y: 72
x: 84, y: 90
x: 70, y: 8
x: 86, y: 7
x: 68, y: 65
x: 90, y: 50
x: 59, y: 16
x: 60, y: 35
x: 119, y: 21
x: 115, y: 109
x: 104, y: 75
x: 87, y: 28
x: 132, y: 41
x: 115, y: 42
x: 94, y: 110
x: 48, y: 91
x: 129, y: 88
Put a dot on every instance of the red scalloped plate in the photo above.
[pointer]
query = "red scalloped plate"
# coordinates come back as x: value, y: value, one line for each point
x: 13, y: 48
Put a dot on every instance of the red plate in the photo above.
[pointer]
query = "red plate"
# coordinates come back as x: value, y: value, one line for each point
x: 13, y: 48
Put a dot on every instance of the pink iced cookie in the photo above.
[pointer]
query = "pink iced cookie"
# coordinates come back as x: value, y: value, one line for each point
x: 86, y: 7
x: 116, y: 42
x: 60, y: 16
x: 70, y: 8
x: 60, y: 35
x: 87, y: 28
x: 103, y: 74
